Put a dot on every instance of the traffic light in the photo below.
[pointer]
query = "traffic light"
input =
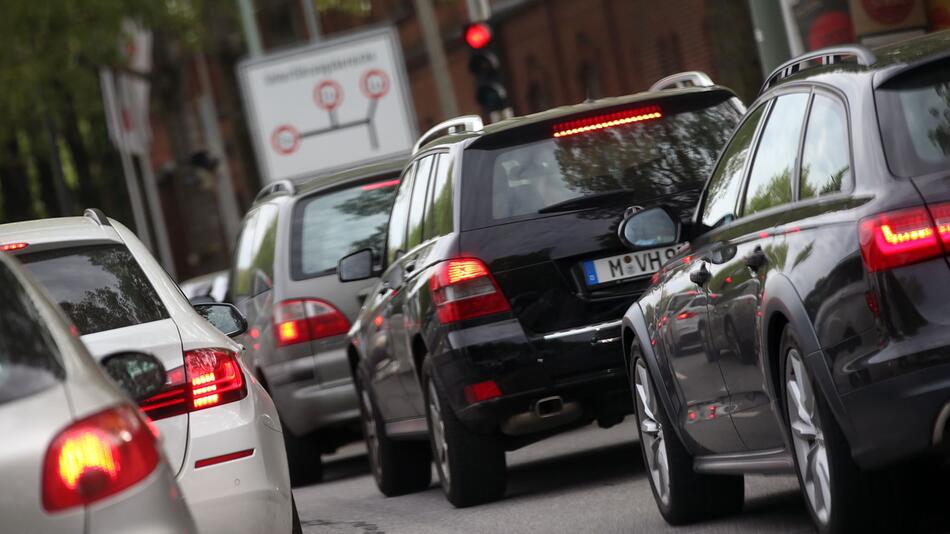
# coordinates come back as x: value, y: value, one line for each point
x: 483, y: 63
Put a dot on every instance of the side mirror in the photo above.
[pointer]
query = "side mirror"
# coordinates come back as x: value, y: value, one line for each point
x: 650, y: 228
x: 225, y: 317
x: 140, y: 375
x: 356, y: 266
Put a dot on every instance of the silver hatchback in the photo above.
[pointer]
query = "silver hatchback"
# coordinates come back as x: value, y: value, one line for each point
x: 77, y: 454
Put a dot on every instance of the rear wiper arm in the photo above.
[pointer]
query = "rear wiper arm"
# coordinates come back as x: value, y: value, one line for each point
x: 581, y: 202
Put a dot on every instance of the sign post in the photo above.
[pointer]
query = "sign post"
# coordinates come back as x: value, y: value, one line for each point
x: 322, y: 107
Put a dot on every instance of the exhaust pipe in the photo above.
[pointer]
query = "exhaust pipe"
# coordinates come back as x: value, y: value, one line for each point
x: 545, y: 414
x: 549, y: 406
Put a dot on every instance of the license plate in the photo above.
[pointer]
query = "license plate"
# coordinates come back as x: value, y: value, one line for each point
x: 629, y: 265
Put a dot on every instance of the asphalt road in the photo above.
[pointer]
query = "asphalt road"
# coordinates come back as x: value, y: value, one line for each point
x: 590, y: 480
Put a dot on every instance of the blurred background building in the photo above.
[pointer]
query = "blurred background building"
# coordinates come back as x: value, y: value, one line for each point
x: 58, y: 160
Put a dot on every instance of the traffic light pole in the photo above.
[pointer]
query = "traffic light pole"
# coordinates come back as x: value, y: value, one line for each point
x: 437, y: 61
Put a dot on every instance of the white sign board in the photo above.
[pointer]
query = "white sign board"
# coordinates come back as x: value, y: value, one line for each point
x: 336, y: 104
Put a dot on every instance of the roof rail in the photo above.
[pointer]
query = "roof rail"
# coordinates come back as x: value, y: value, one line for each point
x: 96, y: 215
x: 465, y: 123
x: 690, y: 78
x: 828, y: 56
x: 281, y: 187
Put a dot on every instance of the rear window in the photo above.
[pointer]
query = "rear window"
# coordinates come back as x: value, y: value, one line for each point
x: 915, y: 120
x: 99, y: 287
x: 667, y: 151
x: 29, y: 359
x: 330, y: 226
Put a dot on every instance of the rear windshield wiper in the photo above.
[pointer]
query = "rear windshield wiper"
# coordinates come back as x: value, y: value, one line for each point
x: 584, y: 201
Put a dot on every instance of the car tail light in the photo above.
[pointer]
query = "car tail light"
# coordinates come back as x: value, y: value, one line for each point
x: 210, y: 377
x: 296, y: 321
x: 9, y: 247
x: 903, y: 237
x: 96, y: 457
x: 599, y: 122
x: 482, y: 391
x: 464, y: 289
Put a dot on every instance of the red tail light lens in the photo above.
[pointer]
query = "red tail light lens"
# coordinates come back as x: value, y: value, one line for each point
x: 9, y: 247
x: 464, y: 289
x: 210, y: 377
x: 96, y: 457
x: 899, y: 238
x: 482, y: 391
x: 296, y: 321
x: 610, y: 120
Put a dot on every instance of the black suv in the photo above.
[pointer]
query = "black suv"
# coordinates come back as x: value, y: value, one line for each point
x: 820, y: 250
x: 497, y: 317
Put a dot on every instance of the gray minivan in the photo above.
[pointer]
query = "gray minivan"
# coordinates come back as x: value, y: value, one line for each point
x: 283, y: 277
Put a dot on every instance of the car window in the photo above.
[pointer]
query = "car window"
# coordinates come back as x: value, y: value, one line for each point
x: 243, y: 258
x: 396, y: 235
x: 418, y: 204
x: 826, y: 156
x: 440, y: 214
x: 99, y: 287
x: 722, y: 193
x: 29, y: 358
x: 639, y: 153
x: 328, y: 226
x: 262, y: 251
x: 771, y: 177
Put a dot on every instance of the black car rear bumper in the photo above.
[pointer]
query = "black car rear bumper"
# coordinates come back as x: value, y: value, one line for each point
x: 584, y: 371
x: 899, y: 418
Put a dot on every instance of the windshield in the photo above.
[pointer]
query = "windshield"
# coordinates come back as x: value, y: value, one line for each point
x: 330, y: 226
x: 915, y: 120
x: 99, y: 287
x: 28, y: 355
x: 666, y: 153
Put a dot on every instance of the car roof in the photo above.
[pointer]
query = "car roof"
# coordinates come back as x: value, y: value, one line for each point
x: 311, y: 184
x: 567, y: 111
x: 57, y: 230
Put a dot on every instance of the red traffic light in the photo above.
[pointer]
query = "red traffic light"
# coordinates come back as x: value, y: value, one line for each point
x: 478, y: 35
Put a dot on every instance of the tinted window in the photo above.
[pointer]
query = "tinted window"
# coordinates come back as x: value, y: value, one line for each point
x: 396, y: 236
x: 723, y: 190
x: 29, y: 359
x: 526, y: 172
x: 826, y: 156
x: 915, y: 120
x: 330, y: 226
x: 243, y: 256
x: 770, y: 181
x: 99, y: 287
x: 418, y: 205
x: 440, y: 212
x: 265, y: 242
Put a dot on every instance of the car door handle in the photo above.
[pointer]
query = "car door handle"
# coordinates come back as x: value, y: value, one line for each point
x: 700, y: 276
x: 757, y: 259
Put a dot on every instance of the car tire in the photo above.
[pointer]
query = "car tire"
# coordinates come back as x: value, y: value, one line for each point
x: 471, y: 466
x: 296, y: 527
x: 399, y: 467
x: 840, y: 497
x: 303, y: 459
x: 682, y: 495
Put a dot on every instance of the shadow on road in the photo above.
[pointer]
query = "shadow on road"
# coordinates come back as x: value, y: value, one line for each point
x: 602, y: 466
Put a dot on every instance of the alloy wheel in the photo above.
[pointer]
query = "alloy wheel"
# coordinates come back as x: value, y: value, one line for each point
x: 440, y: 445
x: 651, y: 433
x: 808, y: 438
x: 372, y: 436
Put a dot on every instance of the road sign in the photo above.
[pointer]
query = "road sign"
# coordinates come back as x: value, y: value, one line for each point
x: 322, y: 107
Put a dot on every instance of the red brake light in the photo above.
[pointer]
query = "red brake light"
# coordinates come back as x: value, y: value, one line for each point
x: 609, y: 120
x: 478, y: 35
x: 685, y: 315
x: 482, y: 391
x: 96, y: 457
x: 13, y: 246
x: 296, y: 321
x: 210, y: 377
x: 464, y: 289
x: 899, y: 238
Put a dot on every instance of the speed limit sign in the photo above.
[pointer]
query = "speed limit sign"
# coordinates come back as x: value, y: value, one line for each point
x: 375, y: 84
x: 285, y: 139
x: 328, y: 95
